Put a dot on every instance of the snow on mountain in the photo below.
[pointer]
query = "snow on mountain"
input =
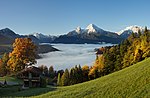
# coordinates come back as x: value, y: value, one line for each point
x: 78, y: 30
x: 75, y: 32
x: 130, y: 29
x: 44, y: 38
x: 93, y: 28
x: 39, y: 35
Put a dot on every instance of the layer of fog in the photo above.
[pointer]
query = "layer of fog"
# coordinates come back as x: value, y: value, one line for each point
x: 70, y: 55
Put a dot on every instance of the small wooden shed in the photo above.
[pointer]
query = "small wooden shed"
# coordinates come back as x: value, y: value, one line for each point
x: 31, y: 76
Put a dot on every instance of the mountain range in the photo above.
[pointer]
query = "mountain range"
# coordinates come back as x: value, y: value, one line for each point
x: 131, y: 29
x: 44, y: 38
x: 91, y: 34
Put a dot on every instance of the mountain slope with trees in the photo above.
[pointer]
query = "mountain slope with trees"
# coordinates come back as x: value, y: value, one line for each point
x: 132, y: 50
x: 133, y: 82
x: 111, y: 59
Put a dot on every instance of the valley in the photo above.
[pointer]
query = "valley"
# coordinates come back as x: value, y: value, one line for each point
x: 70, y: 55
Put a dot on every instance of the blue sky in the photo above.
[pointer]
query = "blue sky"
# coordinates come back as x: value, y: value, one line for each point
x: 57, y: 17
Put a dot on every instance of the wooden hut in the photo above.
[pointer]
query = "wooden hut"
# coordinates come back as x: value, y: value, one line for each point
x: 31, y: 76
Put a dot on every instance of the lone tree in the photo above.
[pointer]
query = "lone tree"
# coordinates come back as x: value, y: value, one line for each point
x: 23, y: 54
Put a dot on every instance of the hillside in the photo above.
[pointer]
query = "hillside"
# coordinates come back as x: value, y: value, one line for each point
x: 131, y: 82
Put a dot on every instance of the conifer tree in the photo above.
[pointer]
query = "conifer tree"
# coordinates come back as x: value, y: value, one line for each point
x: 85, y: 71
x: 65, y: 78
x: 72, y: 76
x: 51, y: 72
x: 59, y: 80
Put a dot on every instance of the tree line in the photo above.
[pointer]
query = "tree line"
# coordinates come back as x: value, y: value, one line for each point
x: 132, y: 50
x: 108, y: 60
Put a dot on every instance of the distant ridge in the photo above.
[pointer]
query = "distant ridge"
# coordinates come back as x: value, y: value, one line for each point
x: 44, y: 38
x: 128, y: 30
x: 92, y: 34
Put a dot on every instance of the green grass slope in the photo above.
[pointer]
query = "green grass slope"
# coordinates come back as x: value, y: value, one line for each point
x: 131, y: 82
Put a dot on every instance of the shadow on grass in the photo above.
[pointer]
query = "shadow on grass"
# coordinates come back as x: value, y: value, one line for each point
x: 13, y: 91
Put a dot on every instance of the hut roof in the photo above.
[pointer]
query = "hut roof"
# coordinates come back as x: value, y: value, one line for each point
x: 31, y: 69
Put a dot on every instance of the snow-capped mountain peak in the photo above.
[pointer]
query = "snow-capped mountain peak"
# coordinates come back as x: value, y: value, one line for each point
x: 44, y: 38
x: 78, y: 29
x: 39, y: 35
x: 93, y: 28
x: 131, y: 29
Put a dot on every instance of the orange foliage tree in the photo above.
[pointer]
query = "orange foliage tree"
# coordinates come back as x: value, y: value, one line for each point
x: 97, y: 69
x: 23, y: 54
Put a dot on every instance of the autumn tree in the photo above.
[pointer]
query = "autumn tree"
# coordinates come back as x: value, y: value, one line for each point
x: 23, y: 54
x: 65, y: 78
x: 59, y: 80
x: 93, y: 73
x: 4, y: 70
x: 138, y: 50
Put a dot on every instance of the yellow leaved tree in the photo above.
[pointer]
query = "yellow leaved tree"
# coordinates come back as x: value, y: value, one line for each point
x: 23, y: 54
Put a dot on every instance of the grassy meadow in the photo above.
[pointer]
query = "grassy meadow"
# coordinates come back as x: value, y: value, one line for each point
x: 131, y: 82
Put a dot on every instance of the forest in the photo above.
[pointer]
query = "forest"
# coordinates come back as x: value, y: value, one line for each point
x: 108, y: 60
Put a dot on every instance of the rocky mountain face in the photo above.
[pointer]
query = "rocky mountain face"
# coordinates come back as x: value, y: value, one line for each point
x: 44, y: 38
x: 7, y: 37
x: 129, y: 30
x: 92, y: 34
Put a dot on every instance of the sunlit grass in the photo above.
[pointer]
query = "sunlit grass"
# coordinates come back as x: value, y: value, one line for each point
x: 131, y: 82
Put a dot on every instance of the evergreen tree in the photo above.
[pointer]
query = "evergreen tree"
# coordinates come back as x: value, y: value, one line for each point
x: 85, y: 71
x: 146, y: 30
x: 51, y: 72
x: 72, y: 76
x: 59, y: 80
x: 65, y: 78
x: 44, y: 69
x: 80, y: 75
